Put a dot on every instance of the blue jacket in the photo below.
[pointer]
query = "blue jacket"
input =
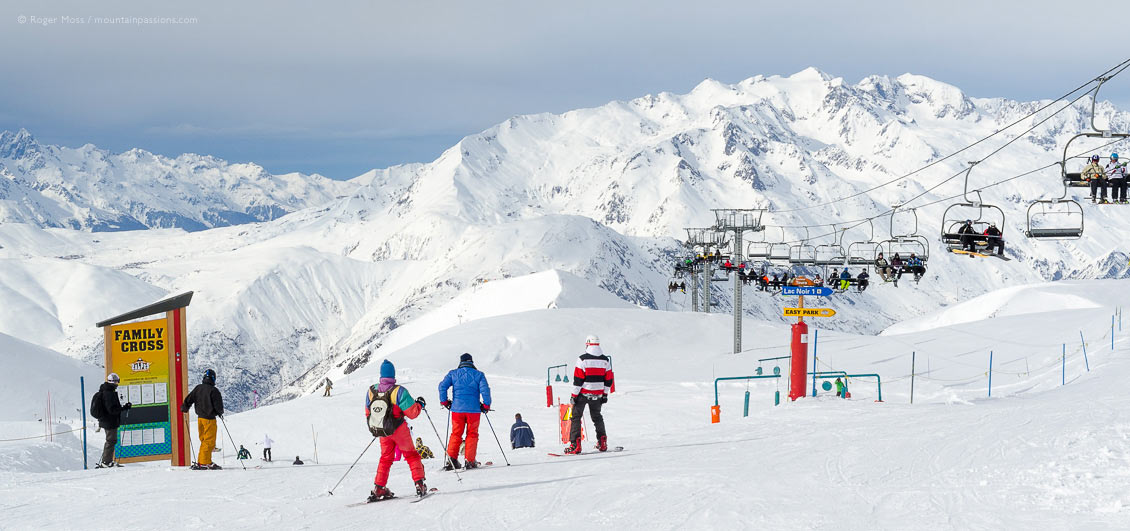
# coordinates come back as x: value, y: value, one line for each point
x: 469, y: 384
x: 521, y: 436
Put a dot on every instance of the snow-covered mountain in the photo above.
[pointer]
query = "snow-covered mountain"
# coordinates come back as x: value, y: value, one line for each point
x: 594, y: 195
x: 91, y: 189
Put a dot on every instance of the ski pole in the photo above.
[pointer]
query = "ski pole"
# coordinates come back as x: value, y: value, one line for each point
x: 353, y: 465
x: 188, y: 431
x: 445, y: 455
x: 233, y: 440
x: 489, y: 423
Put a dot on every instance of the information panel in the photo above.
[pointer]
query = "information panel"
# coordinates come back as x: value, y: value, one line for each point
x: 139, y: 353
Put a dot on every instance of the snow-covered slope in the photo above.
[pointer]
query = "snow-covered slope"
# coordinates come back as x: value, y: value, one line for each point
x: 91, y: 189
x: 598, y: 194
x: 954, y: 459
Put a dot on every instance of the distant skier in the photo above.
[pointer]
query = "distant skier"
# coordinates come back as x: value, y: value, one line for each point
x: 883, y: 268
x: 995, y: 239
x: 683, y: 286
x: 243, y: 453
x: 839, y: 387
x: 914, y: 265
x: 845, y: 279
x: 267, y: 447
x: 592, y: 381
x: 298, y: 461
x: 329, y: 387
x: 521, y: 436
x: 107, y: 408
x: 1116, y: 172
x: 394, y: 404
x: 1096, y: 175
x: 967, y: 234
x: 209, y: 405
x: 467, y: 385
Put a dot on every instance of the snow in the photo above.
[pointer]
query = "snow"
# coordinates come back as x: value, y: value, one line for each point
x: 955, y: 458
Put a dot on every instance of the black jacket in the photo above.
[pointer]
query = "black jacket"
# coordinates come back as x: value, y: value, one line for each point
x: 114, y: 409
x: 209, y: 403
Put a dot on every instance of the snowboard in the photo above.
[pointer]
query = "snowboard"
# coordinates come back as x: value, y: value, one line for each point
x: 972, y: 254
x: 590, y: 452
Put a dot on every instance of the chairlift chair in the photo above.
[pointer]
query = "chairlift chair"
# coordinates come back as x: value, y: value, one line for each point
x: 958, y: 213
x: 1055, y: 219
x: 905, y: 243
x: 802, y: 253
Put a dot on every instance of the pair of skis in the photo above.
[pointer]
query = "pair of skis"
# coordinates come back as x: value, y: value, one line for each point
x: 612, y: 449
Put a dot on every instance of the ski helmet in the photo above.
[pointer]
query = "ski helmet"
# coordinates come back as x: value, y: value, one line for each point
x: 1095, y: 158
x: 209, y: 376
x: 113, y: 378
x: 1114, y: 156
x: 592, y: 340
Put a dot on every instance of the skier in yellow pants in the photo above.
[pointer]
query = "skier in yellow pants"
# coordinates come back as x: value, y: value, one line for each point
x: 209, y: 405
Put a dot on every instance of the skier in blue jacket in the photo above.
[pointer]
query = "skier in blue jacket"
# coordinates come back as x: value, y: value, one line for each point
x: 469, y: 384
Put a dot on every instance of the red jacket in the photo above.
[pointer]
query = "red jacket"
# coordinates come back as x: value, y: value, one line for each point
x: 592, y: 376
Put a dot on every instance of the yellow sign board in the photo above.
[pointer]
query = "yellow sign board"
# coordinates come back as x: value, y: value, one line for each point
x: 809, y: 312
x: 139, y: 353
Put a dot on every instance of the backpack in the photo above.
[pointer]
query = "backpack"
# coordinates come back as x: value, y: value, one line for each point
x: 380, y: 412
x: 97, y: 407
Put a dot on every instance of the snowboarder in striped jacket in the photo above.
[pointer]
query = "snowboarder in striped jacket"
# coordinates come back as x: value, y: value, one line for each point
x: 592, y: 383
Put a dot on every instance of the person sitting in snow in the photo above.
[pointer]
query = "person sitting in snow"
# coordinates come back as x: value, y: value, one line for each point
x: 243, y: 453
x: 521, y: 436
x: 298, y: 460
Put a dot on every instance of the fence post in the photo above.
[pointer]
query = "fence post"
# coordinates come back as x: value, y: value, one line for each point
x: 1084, y: 342
x: 815, y: 343
x: 1063, y: 375
x: 990, y: 374
x: 912, y: 354
x: 1112, y: 332
x: 82, y: 395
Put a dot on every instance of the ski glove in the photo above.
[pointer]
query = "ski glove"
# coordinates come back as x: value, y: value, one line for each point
x: 420, y: 400
x: 603, y: 399
x: 484, y: 408
x: 573, y: 399
x: 446, y: 404
x: 373, y: 431
x: 127, y: 406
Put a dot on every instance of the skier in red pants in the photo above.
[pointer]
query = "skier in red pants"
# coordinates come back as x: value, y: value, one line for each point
x: 386, y: 406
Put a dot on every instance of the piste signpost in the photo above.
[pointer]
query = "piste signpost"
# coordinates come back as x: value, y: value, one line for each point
x: 809, y: 312
x: 806, y: 290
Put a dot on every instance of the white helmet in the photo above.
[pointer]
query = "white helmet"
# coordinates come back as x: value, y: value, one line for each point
x: 592, y: 340
x: 113, y: 378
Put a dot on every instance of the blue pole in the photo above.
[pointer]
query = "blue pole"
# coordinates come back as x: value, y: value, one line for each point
x: 990, y: 374
x: 745, y: 411
x: 815, y: 343
x: 82, y: 395
x: 1063, y: 375
x: 1085, y: 360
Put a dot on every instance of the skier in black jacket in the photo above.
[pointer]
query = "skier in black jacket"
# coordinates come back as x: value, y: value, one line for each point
x: 209, y: 405
x: 108, y: 392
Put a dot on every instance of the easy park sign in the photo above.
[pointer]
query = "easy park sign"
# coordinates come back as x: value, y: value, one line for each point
x: 809, y: 312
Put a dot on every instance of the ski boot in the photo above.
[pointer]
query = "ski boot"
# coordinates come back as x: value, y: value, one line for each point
x: 452, y: 464
x: 197, y: 466
x: 602, y: 444
x: 214, y: 466
x: 421, y: 488
x: 574, y: 448
x: 471, y: 464
x: 104, y: 465
x: 380, y: 492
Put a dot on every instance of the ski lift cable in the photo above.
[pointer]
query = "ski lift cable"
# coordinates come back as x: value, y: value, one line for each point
x: 1119, y: 67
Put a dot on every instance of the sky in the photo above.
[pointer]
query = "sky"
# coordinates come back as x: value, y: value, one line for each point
x: 338, y: 88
